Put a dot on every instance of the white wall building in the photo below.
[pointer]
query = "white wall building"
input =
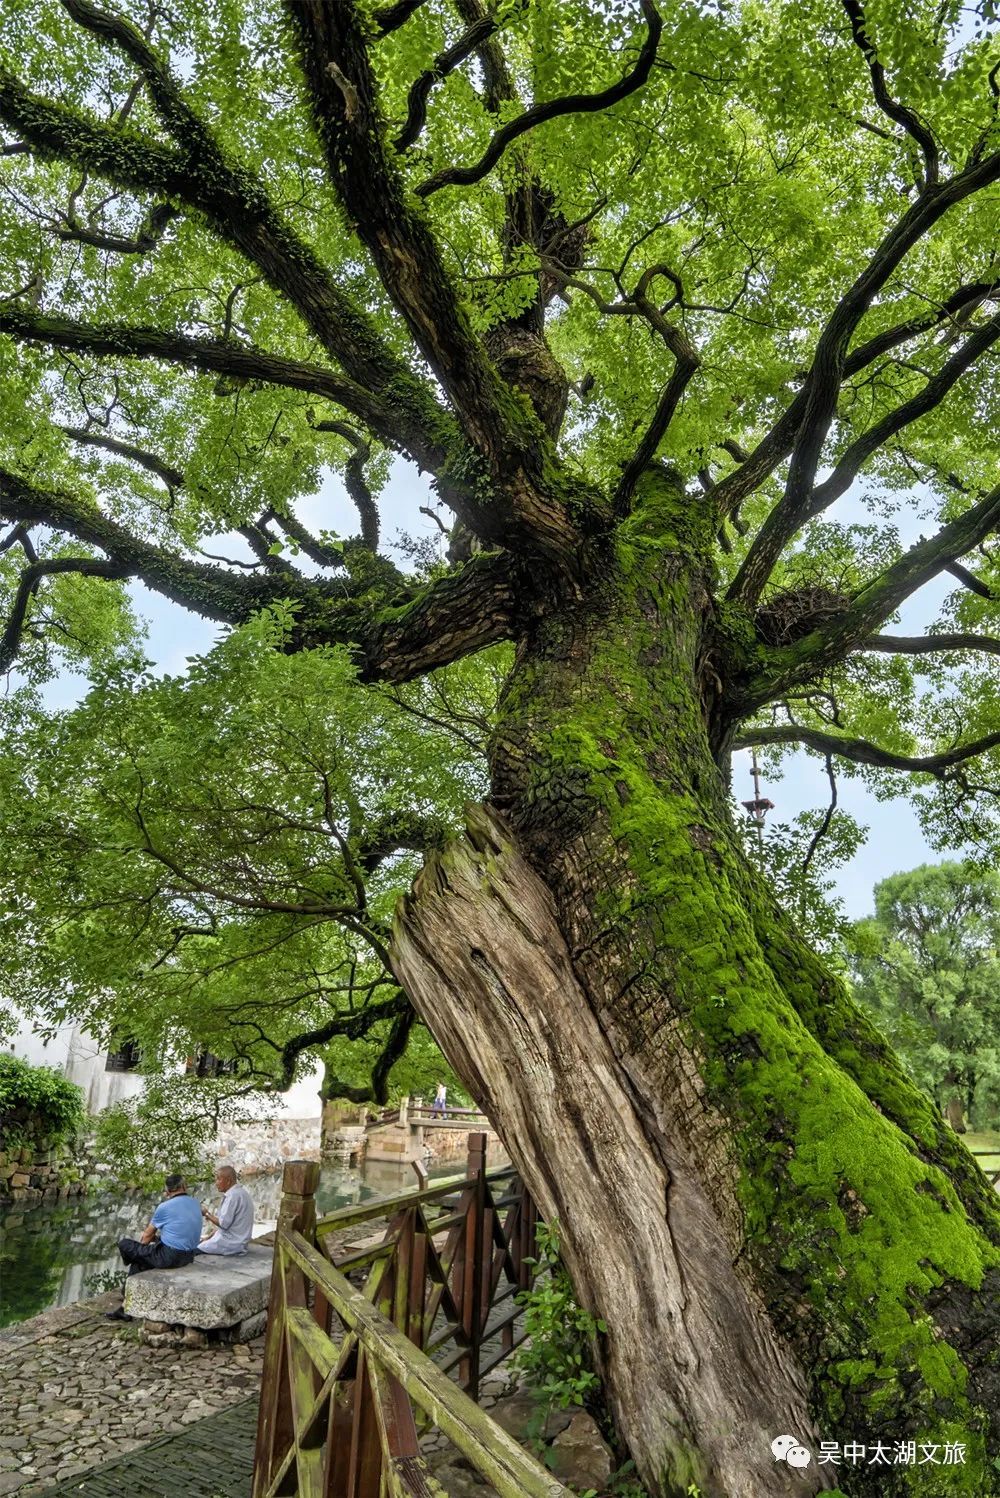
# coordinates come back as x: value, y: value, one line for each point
x: 105, y: 1080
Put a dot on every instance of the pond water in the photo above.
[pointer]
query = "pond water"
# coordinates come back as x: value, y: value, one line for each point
x: 56, y: 1253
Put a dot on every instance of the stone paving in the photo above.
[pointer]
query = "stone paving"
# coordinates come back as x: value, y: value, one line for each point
x: 210, y: 1458
x: 77, y: 1390
x: 86, y: 1409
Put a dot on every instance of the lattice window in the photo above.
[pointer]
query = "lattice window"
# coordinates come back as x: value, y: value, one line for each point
x: 126, y: 1058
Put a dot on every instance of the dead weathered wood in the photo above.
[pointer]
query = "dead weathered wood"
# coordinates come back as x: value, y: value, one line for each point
x: 702, y: 1381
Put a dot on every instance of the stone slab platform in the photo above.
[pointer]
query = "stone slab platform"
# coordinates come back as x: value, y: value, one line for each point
x: 215, y: 1291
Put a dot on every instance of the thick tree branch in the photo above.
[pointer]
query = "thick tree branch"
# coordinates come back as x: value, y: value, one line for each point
x: 393, y: 637
x: 454, y: 616
x: 146, y: 240
x: 538, y: 114
x: 685, y: 367
x: 500, y: 428
x: 890, y: 107
x: 756, y: 466
x: 847, y: 631
x: 90, y: 437
x: 446, y: 62
x: 969, y: 580
x: 28, y: 585
x: 391, y: 17
x: 260, y: 541
x: 355, y: 482
x: 930, y: 644
x: 498, y: 82
x: 398, y: 830
x: 955, y: 309
x: 378, y: 1091
x: 112, y: 340
x: 863, y: 752
x: 937, y: 387
x: 19, y: 536
x: 233, y: 202
x: 395, y: 1045
x: 807, y: 421
x: 343, y: 1027
x: 318, y: 551
x: 342, y: 92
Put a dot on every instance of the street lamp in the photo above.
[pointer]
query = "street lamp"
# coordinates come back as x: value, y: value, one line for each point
x: 758, y: 808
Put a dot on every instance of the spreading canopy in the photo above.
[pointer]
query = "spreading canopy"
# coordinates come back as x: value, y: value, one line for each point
x: 530, y: 250
x: 207, y: 865
x: 645, y: 291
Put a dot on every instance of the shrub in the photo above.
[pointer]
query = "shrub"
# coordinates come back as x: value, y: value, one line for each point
x: 557, y: 1363
x: 37, y: 1103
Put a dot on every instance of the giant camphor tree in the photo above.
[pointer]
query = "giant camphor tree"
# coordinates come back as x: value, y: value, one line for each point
x: 645, y: 290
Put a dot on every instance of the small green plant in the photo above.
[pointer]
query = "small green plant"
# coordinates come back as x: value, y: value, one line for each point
x: 557, y: 1360
x: 37, y: 1104
x: 625, y: 1482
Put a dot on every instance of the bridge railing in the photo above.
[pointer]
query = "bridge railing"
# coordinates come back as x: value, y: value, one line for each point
x: 415, y: 1110
x: 424, y: 1111
x: 353, y: 1372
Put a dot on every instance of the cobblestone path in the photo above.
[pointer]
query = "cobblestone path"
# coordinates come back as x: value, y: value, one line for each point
x: 77, y: 1392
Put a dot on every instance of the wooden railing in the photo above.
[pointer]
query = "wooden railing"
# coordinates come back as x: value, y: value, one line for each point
x: 992, y: 1171
x: 354, y: 1372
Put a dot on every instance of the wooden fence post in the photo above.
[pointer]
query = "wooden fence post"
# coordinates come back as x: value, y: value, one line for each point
x: 275, y: 1425
x: 472, y: 1267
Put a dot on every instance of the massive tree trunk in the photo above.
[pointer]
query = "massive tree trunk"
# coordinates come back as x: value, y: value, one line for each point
x: 777, y: 1228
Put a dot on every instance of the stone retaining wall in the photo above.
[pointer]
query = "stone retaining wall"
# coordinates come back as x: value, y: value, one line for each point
x: 453, y: 1144
x: 265, y: 1145
x: 32, y: 1173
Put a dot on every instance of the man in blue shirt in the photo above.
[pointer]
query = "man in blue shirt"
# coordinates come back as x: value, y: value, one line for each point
x: 169, y: 1240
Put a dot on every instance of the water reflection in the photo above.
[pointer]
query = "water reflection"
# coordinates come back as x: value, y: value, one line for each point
x: 54, y: 1254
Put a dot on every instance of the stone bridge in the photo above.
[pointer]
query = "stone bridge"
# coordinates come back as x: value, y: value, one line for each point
x: 414, y: 1131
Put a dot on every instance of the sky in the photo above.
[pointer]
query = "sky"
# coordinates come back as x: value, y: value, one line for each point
x: 895, y: 841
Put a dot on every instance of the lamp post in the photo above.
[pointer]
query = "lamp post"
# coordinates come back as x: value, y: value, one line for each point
x: 758, y: 808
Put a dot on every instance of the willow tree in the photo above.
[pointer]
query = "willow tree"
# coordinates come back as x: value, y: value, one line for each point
x: 644, y: 291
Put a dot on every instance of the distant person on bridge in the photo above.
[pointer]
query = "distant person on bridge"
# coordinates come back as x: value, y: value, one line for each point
x: 440, y: 1100
x: 170, y: 1239
x: 234, y: 1224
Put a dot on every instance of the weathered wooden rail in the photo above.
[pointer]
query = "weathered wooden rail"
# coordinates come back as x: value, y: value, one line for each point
x: 353, y: 1374
x: 992, y: 1171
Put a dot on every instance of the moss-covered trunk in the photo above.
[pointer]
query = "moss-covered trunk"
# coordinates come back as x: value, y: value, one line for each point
x: 779, y: 1232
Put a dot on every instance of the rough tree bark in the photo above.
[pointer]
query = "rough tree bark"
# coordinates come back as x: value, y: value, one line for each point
x: 778, y: 1231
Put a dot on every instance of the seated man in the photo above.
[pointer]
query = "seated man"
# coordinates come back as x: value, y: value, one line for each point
x: 234, y: 1224
x: 168, y: 1241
